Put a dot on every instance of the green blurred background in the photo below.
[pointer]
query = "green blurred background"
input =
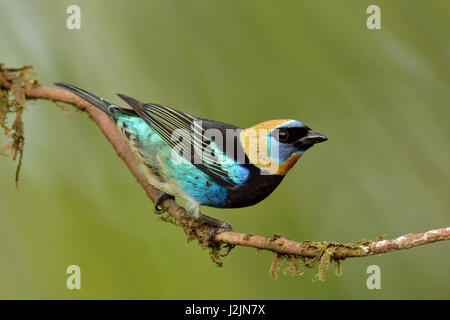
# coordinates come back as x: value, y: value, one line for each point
x: 381, y: 96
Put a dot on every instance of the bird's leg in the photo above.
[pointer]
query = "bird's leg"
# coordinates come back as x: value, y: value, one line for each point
x: 193, y: 210
x: 164, y: 196
x: 219, y: 225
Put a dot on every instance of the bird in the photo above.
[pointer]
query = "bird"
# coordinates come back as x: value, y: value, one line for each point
x: 206, y: 162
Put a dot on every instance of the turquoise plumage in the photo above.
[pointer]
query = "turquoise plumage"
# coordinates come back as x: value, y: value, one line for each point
x: 171, y: 173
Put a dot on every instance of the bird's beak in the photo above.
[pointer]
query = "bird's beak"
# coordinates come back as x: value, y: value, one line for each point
x: 311, y: 138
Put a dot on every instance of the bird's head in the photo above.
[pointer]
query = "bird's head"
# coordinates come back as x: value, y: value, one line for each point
x: 275, y: 146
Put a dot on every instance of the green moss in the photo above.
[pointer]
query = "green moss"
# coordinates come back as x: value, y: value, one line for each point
x: 338, y: 270
x: 165, y: 217
x: 201, y: 233
x: 294, y: 267
x: 364, y: 242
x: 12, y: 102
x: 296, y: 264
x: 324, y: 264
x: 214, y: 254
x: 381, y: 237
x: 275, y: 266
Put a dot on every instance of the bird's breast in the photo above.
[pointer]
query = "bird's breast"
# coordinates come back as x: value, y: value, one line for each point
x: 256, y: 189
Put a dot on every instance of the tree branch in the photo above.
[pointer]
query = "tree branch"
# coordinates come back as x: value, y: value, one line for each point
x: 281, y: 246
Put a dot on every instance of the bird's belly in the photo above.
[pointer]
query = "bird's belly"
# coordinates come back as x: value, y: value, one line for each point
x: 185, y: 181
x: 256, y: 190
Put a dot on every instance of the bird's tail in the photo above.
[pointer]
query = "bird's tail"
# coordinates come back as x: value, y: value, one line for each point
x: 90, y: 97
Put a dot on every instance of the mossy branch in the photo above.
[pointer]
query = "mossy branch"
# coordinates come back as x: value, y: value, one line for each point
x: 15, y: 89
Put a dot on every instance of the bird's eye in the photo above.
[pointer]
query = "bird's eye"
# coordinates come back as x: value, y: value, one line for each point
x: 283, y: 135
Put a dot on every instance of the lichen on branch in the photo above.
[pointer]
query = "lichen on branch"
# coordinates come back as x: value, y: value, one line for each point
x: 12, y: 102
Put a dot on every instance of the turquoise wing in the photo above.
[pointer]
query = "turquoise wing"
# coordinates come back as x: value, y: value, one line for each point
x: 177, y: 129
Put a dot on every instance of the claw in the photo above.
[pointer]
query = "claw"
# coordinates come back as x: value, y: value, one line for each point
x: 158, y: 210
x: 218, y: 226
x: 229, y: 247
x: 164, y: 196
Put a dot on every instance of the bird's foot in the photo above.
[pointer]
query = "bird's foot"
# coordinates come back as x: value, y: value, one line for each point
x: 164, y: 196
x: 218, y: 226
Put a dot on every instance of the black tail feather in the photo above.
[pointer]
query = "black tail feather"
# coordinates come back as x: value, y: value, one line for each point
x: 131, y: 101
x: 90, y: 97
